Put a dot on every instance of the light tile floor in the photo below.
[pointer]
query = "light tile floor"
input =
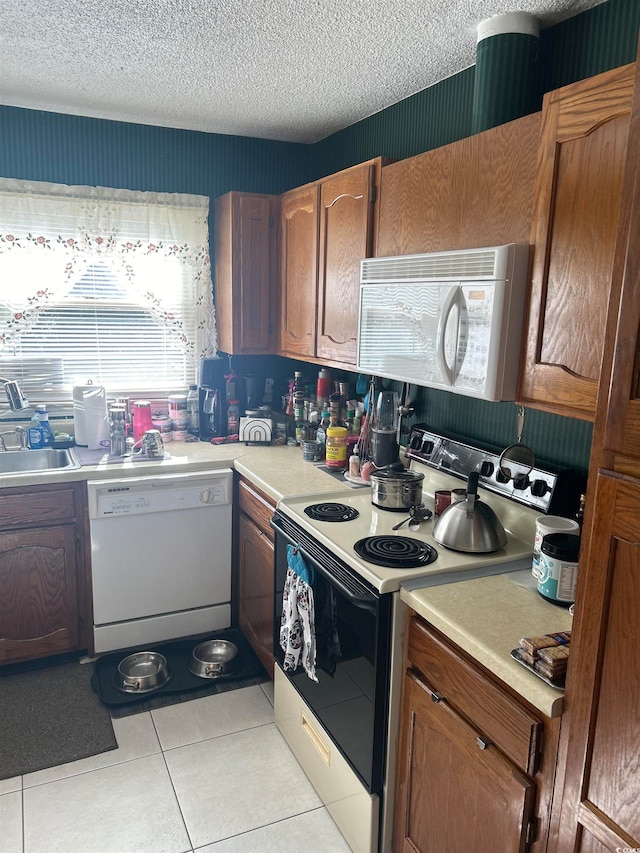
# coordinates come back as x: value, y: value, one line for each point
x: 212, y: 775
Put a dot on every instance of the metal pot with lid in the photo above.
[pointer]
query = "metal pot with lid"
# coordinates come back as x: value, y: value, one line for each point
x: 396, y: 488
x: 470, y: 525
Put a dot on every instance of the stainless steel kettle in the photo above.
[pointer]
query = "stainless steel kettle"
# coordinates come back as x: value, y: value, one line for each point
x: 470, y: 525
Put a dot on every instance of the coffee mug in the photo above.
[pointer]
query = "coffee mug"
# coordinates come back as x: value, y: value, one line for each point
x: 150, y: 445
x: 442, y: 499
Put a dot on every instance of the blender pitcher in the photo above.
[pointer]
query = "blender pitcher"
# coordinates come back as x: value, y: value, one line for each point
x: 384, y: 431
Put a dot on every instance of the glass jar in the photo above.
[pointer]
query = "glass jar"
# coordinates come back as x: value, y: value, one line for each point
x: 336, y: 448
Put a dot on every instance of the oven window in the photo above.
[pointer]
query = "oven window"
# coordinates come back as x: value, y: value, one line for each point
x: 351, y: 695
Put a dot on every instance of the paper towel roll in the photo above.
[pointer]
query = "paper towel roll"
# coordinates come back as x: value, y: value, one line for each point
x: 90, y: 416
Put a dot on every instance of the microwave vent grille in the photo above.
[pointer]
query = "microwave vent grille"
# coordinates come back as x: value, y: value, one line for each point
x: 470, y: 264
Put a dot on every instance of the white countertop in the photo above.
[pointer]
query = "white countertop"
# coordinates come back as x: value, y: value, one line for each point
x: 486, y: 617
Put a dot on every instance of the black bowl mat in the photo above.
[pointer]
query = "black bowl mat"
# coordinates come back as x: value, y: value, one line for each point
x: 183, y: 684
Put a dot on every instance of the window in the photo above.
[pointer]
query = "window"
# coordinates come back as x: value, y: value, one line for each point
x: 112, y: 286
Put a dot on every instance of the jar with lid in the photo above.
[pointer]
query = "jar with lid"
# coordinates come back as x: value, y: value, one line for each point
x: 141, y: 418
x: 558, y: 570
x: 336, y: 448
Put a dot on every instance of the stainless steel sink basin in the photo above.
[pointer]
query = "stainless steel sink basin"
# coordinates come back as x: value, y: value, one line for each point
x: 31, y: 461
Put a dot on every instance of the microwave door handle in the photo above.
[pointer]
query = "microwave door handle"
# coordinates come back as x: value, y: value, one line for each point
x: 452, y: 300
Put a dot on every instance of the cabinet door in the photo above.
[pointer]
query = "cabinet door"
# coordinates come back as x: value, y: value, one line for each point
x: 246, y: 299
x: 456, y: 792
x: 298, y: 271
x: 39, y: 612
x: 346, y: 226
x: 578, y: 191
x: 602, y: 786
x: 256, y: 579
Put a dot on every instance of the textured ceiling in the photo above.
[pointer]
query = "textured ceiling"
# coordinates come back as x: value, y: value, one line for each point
x: 295, y: 70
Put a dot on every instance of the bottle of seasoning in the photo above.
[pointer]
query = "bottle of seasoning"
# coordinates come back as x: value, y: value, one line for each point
x: 323, y: 388
x: 336, y: 448
x: 354, y: 464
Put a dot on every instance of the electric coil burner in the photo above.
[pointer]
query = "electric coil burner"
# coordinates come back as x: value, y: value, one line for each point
x: 330, y: 511
x: 395, y: 552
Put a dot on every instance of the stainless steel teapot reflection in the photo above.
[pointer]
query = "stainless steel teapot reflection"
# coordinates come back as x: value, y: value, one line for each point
x: 150, y: 445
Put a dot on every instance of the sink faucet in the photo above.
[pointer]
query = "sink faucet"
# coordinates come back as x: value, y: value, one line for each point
x: 20, y: 432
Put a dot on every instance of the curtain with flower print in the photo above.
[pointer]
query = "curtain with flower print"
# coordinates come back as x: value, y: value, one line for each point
x: 155, y: 246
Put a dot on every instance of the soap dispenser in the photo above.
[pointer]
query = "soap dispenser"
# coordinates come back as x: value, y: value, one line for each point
x: 34, y: 434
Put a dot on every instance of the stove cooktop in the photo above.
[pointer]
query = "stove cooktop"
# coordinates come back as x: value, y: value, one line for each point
x: 341, y: 538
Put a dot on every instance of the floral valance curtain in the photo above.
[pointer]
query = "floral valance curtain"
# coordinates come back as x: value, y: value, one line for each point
x: 50, y: 234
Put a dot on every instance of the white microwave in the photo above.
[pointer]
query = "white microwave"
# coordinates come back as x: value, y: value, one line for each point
x: 448, y: 320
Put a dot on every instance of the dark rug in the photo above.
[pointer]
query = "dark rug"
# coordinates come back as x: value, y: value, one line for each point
x: 50, y: 716
x: 183, y: 686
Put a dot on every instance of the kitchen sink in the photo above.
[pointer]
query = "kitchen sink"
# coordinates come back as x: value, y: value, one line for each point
x: 43, y: 459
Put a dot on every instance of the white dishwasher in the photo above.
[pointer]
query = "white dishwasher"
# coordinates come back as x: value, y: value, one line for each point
x: 160, y: 557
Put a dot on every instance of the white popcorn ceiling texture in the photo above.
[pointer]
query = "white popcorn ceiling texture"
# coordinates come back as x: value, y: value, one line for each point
x: 293, y: 70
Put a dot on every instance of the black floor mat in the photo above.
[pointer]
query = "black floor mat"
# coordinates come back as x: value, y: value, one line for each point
x: 183, y: 685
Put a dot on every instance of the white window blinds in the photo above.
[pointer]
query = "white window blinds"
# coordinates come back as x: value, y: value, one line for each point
x: 102, y: 284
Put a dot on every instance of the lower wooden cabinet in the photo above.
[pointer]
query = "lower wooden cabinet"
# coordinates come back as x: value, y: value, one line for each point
x: 255, y: 560
x: 41, y: 572
x: 470, y: 774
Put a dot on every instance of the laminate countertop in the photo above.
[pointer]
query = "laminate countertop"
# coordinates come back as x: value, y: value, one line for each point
x: 486, y: 617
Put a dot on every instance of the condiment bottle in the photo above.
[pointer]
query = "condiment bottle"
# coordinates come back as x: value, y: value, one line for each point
x: 336, y: 448
x: 323, y: 388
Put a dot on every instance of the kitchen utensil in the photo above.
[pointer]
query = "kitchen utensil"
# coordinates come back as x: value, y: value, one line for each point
x: 396, y: 490
x: 417, y: 514
x: 470, y: 525
x: 214, y: 658
x: 142, y: 672
x: 517, y: 460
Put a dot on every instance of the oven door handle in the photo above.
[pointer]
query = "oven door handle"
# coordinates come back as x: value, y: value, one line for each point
x: 368, y: 603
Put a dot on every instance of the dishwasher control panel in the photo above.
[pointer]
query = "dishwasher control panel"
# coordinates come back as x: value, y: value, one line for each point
x: 142, y: 495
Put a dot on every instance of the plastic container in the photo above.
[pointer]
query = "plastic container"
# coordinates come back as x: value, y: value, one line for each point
x: 558, y: 570
x: 162, y: 423
x: 34, y: 434
x: 336, y: 448
x: 193, y: 410
x: 178, y: 411
x: 141, y: 418
x: 47, y: 433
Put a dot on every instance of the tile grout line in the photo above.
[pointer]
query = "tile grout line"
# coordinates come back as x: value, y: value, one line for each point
x: 173, y: 787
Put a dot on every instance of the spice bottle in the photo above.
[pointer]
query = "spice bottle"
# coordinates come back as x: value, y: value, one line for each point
x: 336, y: 448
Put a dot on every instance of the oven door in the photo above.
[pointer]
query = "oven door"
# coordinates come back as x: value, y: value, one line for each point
x: 352, y: 693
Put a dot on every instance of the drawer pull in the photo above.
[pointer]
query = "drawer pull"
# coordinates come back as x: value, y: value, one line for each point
x: 437, y: 697
x: 482, y: 743
x: 309, y: 729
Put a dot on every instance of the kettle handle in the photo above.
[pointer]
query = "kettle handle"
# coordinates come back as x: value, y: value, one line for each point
x: 472, y: 492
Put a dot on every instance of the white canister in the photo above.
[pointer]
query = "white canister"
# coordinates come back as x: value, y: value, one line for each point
x: 546, y: 524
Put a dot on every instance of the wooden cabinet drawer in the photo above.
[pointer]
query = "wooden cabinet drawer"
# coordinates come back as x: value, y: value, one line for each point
x: 503, y: 720
x: 256, y: 505
x: 37, y: 507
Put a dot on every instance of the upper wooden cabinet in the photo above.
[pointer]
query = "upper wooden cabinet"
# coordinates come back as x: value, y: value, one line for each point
x: 472, y: 193
x: 298, y: 271
x: 245, y: 273
x: 326, y: 229
x: 577, y: 202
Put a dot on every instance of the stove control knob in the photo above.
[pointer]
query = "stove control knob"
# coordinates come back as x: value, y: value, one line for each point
x: 427, y: 447
x: 500, y: 478
x: 521, y: 483
x: 416, y: 442
x: 486, y: 468
x: 539, y: 488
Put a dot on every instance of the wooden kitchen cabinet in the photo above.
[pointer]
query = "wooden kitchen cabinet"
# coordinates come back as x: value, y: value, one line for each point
x: 255, y: 555
x: 298, y: 271
x: 471, y: 193
x: 246, y: 293
x: 42, y: 580
x: 326, y: 229
x: 598, y: 788
x: 577, y: 202
x: 474, y: 772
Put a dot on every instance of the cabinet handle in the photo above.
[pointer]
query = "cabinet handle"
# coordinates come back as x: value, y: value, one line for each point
x: 437, y: 697
x: 482, y: 743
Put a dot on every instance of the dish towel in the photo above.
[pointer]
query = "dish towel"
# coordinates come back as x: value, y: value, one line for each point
x: 297, y: 626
